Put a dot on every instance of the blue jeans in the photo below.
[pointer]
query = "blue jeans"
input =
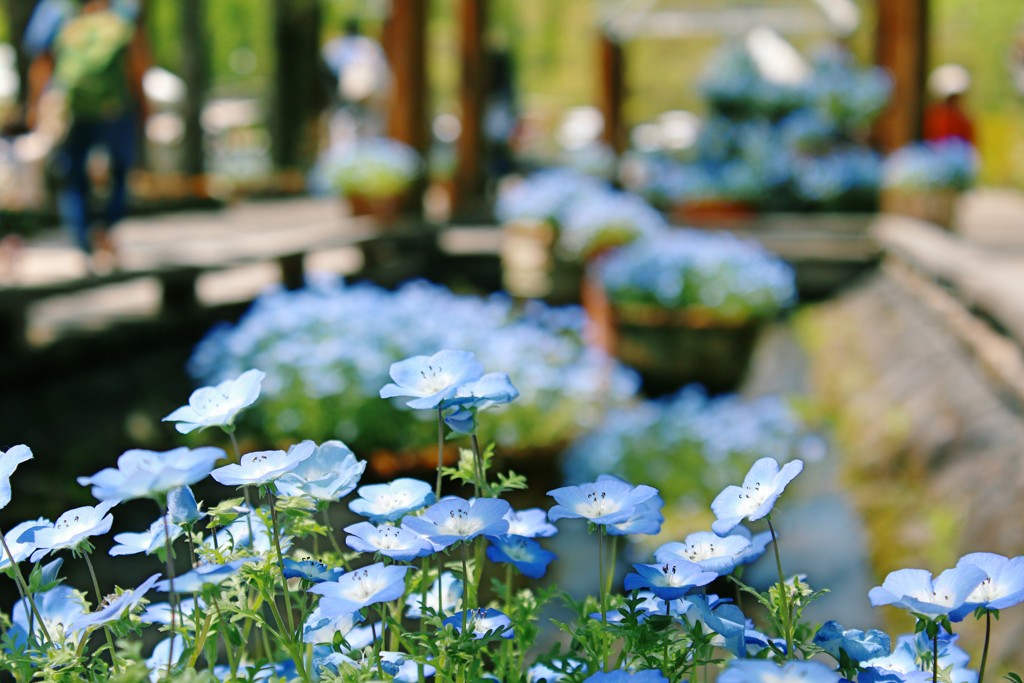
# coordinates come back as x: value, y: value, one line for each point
x: 117, y: 136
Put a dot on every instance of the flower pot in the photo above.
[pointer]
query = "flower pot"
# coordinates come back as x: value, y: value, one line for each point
x: 531, y: 267
x: 384, y: 210
x: 712, y: 213
x: 936, y: 206
x: 671, y: 348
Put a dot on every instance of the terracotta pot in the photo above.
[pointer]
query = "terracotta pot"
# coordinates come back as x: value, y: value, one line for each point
x: 384, y: 210
x: 712, y: 213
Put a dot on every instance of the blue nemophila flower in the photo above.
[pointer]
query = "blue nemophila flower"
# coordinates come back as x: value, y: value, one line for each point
x: 432, y: 380
x: 202, y: 576
x: 219, y: 405
x: 758, y: 544
x: 762, y: 486
x: 603, y: 502
x: 915, y: 591
x: 622, y: 676
x: 116, y: 608
x: 310, y: 570
x: 182, y: 506
x: 162, y: 654
x: 455, y: 519
x: 710, y: 551
x: 532, y: 523
x: 910, y: 661
x: 390, y: 502
x: 361, y: 587
x: 646, y: 518
x: 71, y: 529
x: 263, y: 467
x: 329, y: 474
x: 725, y: 619
x: 1003, y: 587
x: 761, y: 671
x: 858, y: 645
x: 451, y: 596
x: 481, y: 621
x: 148, y: 541
x: 493, y: 389
x: 388, y: 540
x: 9, y: 462
x: 49, y: 573
x: 668, y: 580
x: 148, y: 474
x: 320, y: 628
x: 525, y: 554
x: 649, y: 604
x: 19, y: 541
x: 160, y: 612
x: 59, y: 607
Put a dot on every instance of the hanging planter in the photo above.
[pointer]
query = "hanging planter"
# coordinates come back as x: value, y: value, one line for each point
x: 686, y: 307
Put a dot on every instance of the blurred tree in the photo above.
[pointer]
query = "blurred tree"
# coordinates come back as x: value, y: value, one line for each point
x: 297, y: 97
x: 195, y: 70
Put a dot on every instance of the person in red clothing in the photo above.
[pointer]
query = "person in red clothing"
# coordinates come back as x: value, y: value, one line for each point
x: 945, y: 118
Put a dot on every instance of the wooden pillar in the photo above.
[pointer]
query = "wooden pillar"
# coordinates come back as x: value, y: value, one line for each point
x: 195, y: 71
x: 613, y: 91
x: 406, y: 42
x: 471, y: 146
x: 18, y: 13
x: 297, y: 96
x: 902, y: 48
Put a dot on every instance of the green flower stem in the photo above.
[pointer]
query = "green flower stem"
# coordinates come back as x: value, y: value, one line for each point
x: 506, y: 647
x: 204, y: 632
x: 334, y: 541
x: 424, y: 586
x: 99, y: 602
x: 603, y: 592
x: 237, y: 452
x: 376, y: 643
x: 172, y: 597
x: 280, y: 564
x: 984, y: 648
x: 478, y: 466
x: 396, y: 621
x: 787, y: 615
x: 191, y: 545
x: 440, y: 451
x: 612, y: 556
x: 26, y: 593
x: 935, y: 654
x: 225, y: 625
x: 465, y: 579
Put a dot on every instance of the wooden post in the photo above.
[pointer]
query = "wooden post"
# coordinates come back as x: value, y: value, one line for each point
x: 902, y: 47
x: 297, y: 96
x: 406, y: 43
x: 471, y: 146
x: 18, y: 13
x: 195, y: 70
x: 612, y: 92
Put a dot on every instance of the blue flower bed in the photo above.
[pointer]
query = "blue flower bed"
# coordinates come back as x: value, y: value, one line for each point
x: 944, y: 165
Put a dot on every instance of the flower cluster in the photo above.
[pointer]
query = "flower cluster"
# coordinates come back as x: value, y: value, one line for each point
x: 544, y: 196
x: 728, y: 278
x: 262, y: 600
x: 947, y: 164
x: 374, y: 167
x: 603, y: 220
x: 326, y: 350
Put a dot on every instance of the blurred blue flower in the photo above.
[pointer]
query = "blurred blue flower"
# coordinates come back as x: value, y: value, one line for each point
x: 148, y: 541
x: 329, y: 474
x: 915, y: 591
x: 263, y: 467
x: 218, y: 406
x: 455, y: 519
x: 20, y: 541
x: 602, y: 502
x: 481, y: 621
x: 167, y: 651
x: 71, y: 529
x: 760, y: 671
x: 9, y: 462
x: 762, y: 486
x: 451, y: 596
x: 392, y: 501
x: 493, y: 389
x: 543, y: 673
x: 310, y: 570
x: 531, y: 523
x: 525, y: 554
x: 620, y: 676
x: 858, y: 645
x: 361, y: 587
x: 403, y: 668
x: 59, y: 607
x: 725, y: 619
x: 388, y: 540
x: 149, y: 474
x: 910, y: 661
x: 182, y: 506
x: 202, y: 576
x: 432, y: 380
x: 185, y: 615
x: 320, y: 628
x: 668, y: 580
